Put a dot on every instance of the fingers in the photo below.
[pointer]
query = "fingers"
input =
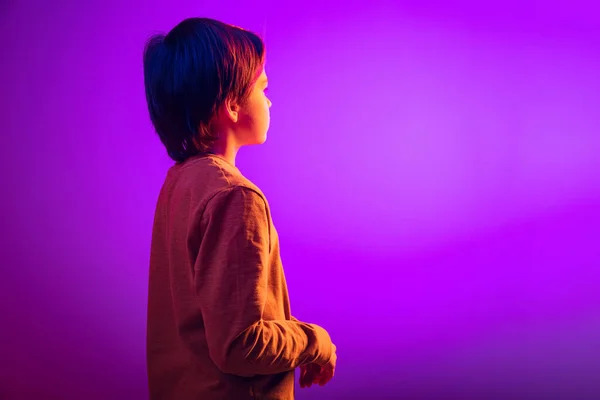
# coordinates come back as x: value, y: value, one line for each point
x: 306, y: 377
x: 302, y: 376
x: 309, y: 375
x: 324, y: 377
x: 313, y: 374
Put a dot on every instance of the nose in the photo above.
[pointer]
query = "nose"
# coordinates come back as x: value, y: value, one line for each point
x: 269, y: 102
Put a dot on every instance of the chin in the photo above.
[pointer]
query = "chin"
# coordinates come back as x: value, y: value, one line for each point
x: 253, y: 140
x: 261, y: 139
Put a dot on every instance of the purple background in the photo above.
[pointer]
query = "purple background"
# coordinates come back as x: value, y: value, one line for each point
x: 433, y: 170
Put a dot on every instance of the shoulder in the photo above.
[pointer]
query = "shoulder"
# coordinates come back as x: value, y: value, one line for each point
x: 211, y: 177
x: 219, y: 187
x: 240, y: 200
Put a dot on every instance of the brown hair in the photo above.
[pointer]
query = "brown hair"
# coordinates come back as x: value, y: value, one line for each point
x: 190, y: 72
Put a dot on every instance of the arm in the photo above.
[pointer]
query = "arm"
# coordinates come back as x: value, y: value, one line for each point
x: 232, y: 280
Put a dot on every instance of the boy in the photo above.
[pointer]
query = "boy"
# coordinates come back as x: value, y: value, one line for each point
x: 219, y: 322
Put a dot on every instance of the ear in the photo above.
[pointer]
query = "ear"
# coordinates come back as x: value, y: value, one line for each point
x: 232, y: 110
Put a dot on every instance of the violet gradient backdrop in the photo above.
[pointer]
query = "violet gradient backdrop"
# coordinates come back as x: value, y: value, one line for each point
x: 433, y: 170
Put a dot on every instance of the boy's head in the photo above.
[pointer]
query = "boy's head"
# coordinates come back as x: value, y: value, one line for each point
x: 205, y: 83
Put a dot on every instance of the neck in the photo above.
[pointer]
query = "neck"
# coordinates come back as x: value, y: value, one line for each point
x: 226, y: 150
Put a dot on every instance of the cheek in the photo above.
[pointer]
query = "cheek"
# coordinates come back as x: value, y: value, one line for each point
x: 263, y: 111
x: 257, y: 113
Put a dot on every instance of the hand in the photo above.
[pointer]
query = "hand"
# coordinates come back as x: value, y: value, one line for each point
x: 318, y: 374
x: 309, y: 374
x: 327, y: 370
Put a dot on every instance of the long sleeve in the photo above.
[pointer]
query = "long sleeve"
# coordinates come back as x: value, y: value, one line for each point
x: 232, y: 280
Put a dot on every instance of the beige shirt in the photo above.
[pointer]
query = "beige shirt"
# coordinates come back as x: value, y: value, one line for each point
x: 219, y: 320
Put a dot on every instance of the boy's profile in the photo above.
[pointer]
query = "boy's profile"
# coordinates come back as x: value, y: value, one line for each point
x: 219, y: 321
